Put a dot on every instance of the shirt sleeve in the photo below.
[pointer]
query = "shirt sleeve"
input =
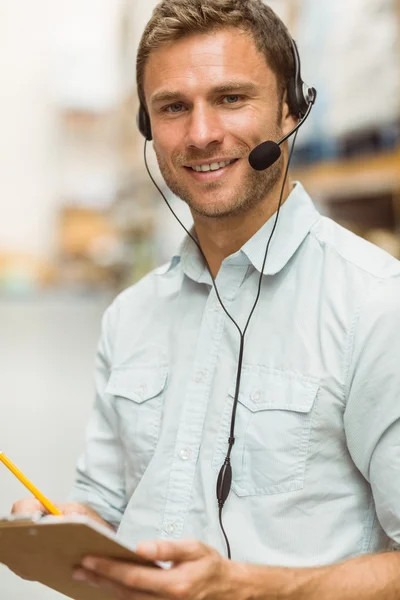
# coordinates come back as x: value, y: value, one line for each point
x: 372, y: 414
x: 100, y: 480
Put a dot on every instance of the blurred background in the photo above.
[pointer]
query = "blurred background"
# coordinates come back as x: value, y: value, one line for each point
x: 79, y: 219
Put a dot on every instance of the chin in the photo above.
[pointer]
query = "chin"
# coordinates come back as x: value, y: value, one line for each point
x: 216, y: 209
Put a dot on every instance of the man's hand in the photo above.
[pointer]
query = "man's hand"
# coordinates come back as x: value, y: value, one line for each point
x: 29, y: 506
x: 198, y: 572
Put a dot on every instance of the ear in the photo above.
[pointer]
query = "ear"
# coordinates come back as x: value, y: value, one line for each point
x: 288, y: 120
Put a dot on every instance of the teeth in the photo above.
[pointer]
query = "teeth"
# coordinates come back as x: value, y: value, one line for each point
x: 212, y: 167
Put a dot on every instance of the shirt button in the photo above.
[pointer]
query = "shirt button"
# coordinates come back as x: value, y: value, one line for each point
x: 199, y: 377
x: 217, y: 307
x: 185, y: 454
x: 170, y: 528
x: 256, y: 395
x: 141, y: 391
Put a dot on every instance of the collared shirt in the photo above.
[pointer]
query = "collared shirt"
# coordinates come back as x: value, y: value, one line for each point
x: 316, y: 459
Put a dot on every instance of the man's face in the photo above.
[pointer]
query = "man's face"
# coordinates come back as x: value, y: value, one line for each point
x: 211, y: 99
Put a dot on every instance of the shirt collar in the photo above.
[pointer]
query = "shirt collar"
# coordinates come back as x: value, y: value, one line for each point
x: 296, y: 218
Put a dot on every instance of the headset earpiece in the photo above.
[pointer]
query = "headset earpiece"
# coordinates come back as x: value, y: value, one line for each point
x: 143, y: 123
x: 300, y: 95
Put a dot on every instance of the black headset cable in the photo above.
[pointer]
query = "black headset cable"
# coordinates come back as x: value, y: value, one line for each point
x: 225, y: 475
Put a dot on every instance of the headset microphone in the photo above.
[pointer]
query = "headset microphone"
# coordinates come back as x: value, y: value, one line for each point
x: 301, y: 99
x: 263, y: 156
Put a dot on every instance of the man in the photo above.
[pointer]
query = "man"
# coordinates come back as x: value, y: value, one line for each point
x: 316, y: 453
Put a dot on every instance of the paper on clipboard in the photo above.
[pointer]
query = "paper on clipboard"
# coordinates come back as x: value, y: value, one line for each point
x: 47, y: 550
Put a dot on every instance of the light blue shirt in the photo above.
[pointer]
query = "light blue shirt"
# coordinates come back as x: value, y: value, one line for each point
x: 316, y: 461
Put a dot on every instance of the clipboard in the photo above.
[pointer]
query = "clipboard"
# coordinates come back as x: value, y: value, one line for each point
x: 47, y: 550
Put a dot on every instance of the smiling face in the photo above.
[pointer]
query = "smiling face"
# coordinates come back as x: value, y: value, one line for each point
x: 211, y: 99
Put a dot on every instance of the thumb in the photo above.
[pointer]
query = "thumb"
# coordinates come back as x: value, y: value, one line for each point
x: 171, y: 551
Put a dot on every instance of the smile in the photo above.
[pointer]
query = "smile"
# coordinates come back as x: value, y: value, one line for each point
x: 211, y: 172
x: 212, y: 166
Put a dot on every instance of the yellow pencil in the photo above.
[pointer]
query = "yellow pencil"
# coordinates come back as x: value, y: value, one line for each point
x: 46, y: 503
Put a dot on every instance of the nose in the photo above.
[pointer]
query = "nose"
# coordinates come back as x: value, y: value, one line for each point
x: 204, y: 128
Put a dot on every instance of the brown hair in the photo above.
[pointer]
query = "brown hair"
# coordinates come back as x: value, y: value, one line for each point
x: 174, y: 19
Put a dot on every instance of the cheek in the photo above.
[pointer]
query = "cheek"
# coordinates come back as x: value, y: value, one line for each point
x: 246, y: 126
x: 166, y: 146
x: 167, y: 135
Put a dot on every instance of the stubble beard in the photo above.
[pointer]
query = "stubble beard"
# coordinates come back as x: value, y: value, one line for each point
x: 254, y: 189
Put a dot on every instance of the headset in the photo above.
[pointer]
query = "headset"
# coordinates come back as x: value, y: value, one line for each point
x: 300, y: 95
x: 300, y: 98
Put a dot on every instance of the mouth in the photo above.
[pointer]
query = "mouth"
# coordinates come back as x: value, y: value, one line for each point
x: 211, y: 171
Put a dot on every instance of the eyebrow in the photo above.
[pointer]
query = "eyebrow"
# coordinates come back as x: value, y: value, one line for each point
x: 225, y: 88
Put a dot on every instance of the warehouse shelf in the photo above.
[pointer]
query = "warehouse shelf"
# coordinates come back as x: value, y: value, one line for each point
x: 358, y: 176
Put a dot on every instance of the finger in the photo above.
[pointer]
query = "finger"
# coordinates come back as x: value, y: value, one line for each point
x: 118, y: 591
x: 27, y: 506
x: 173, y: 551
x: 131, y: 576
x: 72, y: 508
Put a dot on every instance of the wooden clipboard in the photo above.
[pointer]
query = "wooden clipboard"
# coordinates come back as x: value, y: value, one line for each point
x: 48, y: 550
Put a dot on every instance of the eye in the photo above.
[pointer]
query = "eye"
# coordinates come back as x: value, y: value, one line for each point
x: 174, y: 108
x: 232, y: 99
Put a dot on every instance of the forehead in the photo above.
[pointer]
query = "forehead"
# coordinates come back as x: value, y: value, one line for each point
x: 206, y: 60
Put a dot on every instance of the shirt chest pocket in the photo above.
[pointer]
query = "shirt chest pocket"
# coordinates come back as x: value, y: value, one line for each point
x: 272, y: 432
x: 138, y: 396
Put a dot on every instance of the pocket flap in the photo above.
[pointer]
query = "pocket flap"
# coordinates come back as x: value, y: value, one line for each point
x: 263, y: 389
x: 139, y: 383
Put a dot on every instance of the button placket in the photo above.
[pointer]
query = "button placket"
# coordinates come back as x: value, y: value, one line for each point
x: 192, y: 418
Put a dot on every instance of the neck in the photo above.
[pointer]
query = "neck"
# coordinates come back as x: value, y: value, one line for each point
x: 221, y: 237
